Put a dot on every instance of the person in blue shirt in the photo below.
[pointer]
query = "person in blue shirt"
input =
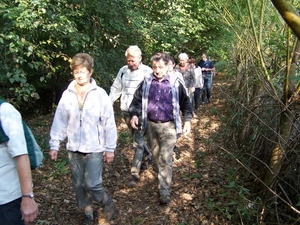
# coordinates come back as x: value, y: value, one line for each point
x: 159, y: 99
x: 208, y: 68
x: 123, y: 87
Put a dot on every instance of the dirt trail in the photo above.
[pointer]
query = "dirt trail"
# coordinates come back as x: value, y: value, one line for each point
x: 200, y: 169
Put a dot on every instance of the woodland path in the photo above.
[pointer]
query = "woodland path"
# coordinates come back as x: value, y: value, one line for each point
x: 200, y: 173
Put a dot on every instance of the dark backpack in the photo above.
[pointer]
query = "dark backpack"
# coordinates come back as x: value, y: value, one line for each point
x: 35, y: 153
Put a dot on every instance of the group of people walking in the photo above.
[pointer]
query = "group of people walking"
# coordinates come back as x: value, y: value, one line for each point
x: 157, y: 105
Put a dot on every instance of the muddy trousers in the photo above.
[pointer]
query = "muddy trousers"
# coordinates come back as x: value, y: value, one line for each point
x: 86, y: 172
x: 162, y: 139
x: 142, y: 151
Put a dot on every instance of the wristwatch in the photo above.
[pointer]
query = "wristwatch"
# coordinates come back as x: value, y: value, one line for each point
x: 30, y: 195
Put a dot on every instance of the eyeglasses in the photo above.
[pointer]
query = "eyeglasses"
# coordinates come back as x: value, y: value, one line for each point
x: 80, y: 72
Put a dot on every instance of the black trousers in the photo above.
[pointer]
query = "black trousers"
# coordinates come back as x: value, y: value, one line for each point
x: 10, y: 213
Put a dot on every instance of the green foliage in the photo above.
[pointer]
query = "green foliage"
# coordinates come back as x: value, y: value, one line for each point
x: 138, y: 221
x: 234, y: 201
x: 124, y: 138
x: 38, y: 39
x: 60, y: 169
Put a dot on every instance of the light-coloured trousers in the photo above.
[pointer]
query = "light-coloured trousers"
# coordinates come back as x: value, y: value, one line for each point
x: 86, y: 172
x: 162, y: 139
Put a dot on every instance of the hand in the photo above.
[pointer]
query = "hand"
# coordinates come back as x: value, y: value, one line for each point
x: 192, y: 89
x: 134, y: 122
x: 53, y: 154
x: 109, y: 157
x: 29, y: 210
x: 187, y: 128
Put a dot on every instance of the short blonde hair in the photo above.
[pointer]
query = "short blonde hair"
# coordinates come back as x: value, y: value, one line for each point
x: 82, y: 59
x: 133, y: 50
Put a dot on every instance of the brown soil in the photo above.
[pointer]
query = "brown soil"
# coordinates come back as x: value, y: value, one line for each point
x: 200, y: 173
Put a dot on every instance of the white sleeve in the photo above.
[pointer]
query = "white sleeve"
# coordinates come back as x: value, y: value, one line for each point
x: 117, y: 86
x: 11, y: 122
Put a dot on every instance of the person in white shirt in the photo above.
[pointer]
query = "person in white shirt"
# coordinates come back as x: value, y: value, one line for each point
x: 198, y: 84
x: 85, y: 117
x: 128, y: 79
x: 17, y: 204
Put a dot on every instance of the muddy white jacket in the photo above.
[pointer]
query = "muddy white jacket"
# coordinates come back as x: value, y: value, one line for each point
x: 91, y: 129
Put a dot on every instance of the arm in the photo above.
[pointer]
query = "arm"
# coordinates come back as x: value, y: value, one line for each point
x: 135, y: 108
x: 29, y: 208
x: 211, y: 67
x: 117, y: 86
x: 194, y: 83
x: 12, y: 125
x: 58, y: 128
x: 186, y: 109
x: 200, y: 77
x: 110, y: 129
x: 193, y: 77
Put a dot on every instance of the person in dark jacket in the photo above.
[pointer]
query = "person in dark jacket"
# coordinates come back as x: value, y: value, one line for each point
x: 159, y: 100
x: 207, y: 68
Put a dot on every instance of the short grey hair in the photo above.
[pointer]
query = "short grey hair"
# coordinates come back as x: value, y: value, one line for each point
x: 183, y: 56
x: 133, y: 50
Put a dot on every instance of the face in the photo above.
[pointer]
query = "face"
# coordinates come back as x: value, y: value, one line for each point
x: 203, y: 56
x: 82, y: 75
x: 182, y: 62
x: 160, y: 69
x: 133, y: 62
x: 170, y: 66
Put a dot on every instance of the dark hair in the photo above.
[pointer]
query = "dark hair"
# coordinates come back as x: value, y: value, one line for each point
x: 192, y: 60
x: 172, y: 60
x: 160, y: 56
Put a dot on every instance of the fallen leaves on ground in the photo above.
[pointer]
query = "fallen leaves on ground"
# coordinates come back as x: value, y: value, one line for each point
x: 199, y: 174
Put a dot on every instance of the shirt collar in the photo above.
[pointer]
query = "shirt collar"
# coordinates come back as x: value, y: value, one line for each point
x: 166, y: 78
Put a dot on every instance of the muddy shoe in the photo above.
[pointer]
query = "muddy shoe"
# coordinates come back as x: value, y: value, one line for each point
x: 145, y: 164
x: 134, y: 181
x: 88, y: 220
x: 109, y: 209
x: 164, y: 199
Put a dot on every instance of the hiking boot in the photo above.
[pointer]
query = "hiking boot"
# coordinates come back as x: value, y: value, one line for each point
x: 109, y: 209
x: 177, y: 152
x: 133, y: 182
x: 88, y: 220
x: 164, y: 199
x: 145, y: 164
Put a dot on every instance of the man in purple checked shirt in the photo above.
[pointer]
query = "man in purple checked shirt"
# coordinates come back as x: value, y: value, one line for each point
x: 159, y: 99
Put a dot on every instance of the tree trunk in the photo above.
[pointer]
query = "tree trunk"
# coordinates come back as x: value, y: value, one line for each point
x: 289, y: 14
x: 276, y: 159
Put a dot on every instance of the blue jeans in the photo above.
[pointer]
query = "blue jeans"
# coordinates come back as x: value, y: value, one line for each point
x: 86, y: 171
x: 206, y: 91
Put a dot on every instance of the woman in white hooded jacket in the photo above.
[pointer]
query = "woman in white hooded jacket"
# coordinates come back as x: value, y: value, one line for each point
x: 85, y: 117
